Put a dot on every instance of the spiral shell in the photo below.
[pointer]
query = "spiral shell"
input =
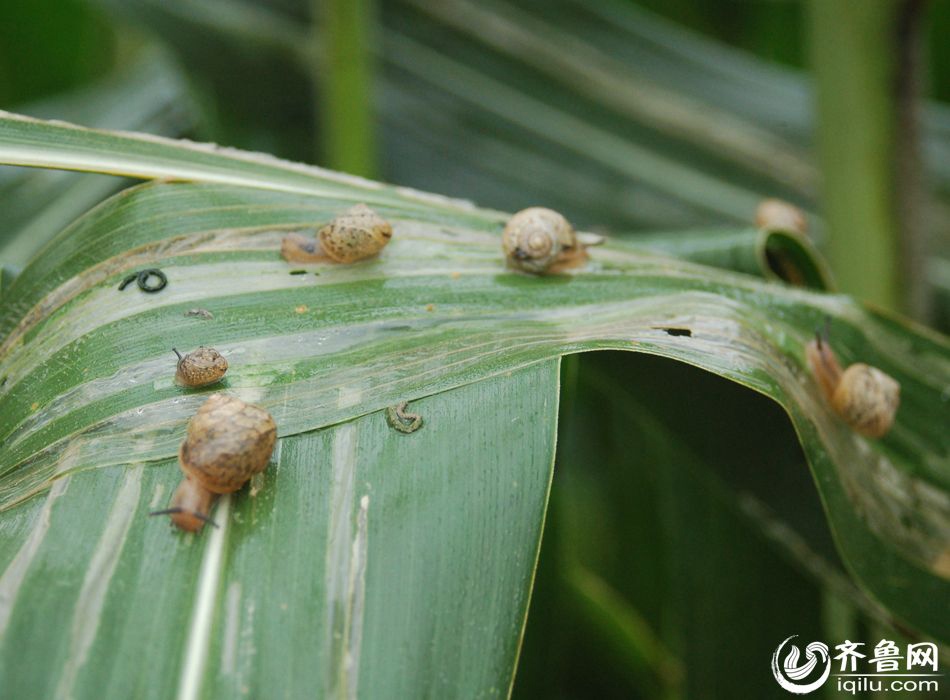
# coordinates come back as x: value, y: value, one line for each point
x: 779, y: 215
x: 357, y: 233
x: 228, y: 442
x: 866, y: 398
x: 537, y: 239
x: 202, y: 367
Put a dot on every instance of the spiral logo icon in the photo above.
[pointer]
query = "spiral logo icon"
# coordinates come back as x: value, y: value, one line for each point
x: 794, y: 677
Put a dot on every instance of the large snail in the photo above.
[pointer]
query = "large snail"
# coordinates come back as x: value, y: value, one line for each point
x: 357, y: 233
x: 228, y: 442
x: 779, y: 215
x: 540, y: 240
x: 864, y: 396
x: 201, y: 367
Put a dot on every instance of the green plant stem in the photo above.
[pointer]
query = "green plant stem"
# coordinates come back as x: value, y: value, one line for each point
x: 912, y: 189
x: 855, y: 49
x: 607, y: 617
x: 344, y: 74
x: 840, y: 621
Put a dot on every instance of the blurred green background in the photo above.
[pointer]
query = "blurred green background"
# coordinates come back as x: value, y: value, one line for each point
x: 662, y: 572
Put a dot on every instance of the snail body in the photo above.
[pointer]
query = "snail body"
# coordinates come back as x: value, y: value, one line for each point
x: 228, y: 442
x: 201, y: 367
x: 864, y: 396
x: 301, y: 249
x: 779, y: 215
x: 540, y: 240
x: 355, y: 234
x: 191, y: 505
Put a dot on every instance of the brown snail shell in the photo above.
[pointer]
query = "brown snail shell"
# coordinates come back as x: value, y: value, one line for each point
x: 864, y: 396
x: 779, y: 215
x: 228, y: 442
x: 201, y: 367
x: 867, y: 399
x: 539, y: 240
x: 357, y: 233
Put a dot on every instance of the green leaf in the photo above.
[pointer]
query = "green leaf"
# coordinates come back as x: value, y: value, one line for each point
x: 774, y: 254
x: 35, y: 143
x: 347, y: 568
x: 90, y: 417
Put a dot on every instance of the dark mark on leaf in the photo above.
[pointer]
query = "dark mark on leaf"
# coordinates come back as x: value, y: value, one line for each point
x: 142, y: 278
x: 128, y: 280
x: 201, y: 313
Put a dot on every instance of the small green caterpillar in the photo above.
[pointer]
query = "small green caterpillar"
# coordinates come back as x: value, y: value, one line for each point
x: 401, y: 420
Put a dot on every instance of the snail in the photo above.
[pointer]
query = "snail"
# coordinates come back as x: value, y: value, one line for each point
x: 202, y: 367
x: 228, y: 442
x: 779, y: 215
x: 540, y: 240
x: 864, y: 396
x: 357, y: 233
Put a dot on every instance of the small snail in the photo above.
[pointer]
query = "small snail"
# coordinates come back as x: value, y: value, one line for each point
x: 228, y: 442
x: 864, y: 396
x: 202, y: 367
x: 357, y: 233
x: 540, y: 240
x: 779, y: 215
